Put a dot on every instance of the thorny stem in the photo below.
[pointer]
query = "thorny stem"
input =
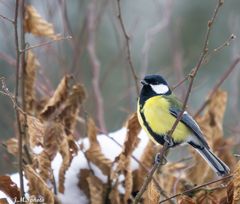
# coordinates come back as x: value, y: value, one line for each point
x: 192, y: 76
x: 196, y: 188
x: 218, y: 84
x: 127, y: 38
x: 20, y: 164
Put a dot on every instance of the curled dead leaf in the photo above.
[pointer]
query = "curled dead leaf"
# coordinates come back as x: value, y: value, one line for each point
x: 97, y: 190
x: 186, y: 200
x: 9, y: 188
x: 94, y: 153
x: 53, y: 136
x: 211, y: 124
x: 68, y: 150
x: 69, y: 113
x: 44, y: 167
x: 37, y: 187
x: 236, y: 183
x: 59, y: 97
x: 29, y: 81
x: 35, y: 131
x: 146, y: 161
x: 35, y: 24
x: 82, y: 181
x: 152, y: 194
x: 12, y: 146
x: 121, y: 168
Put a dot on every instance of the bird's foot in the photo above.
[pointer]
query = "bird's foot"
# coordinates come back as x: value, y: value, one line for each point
x: 169, y: 140
x: 160, y: 159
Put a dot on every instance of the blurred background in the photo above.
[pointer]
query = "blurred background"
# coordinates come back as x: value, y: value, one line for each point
x: 166, y: 37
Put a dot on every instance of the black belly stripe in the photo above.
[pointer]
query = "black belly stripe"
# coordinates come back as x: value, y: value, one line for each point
x: 157, y: 137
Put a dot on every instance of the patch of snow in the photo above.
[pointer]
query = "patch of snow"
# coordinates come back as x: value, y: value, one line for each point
x: 109, y: 148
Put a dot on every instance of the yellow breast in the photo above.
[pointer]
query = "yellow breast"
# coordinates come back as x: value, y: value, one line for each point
x: 158, y: 117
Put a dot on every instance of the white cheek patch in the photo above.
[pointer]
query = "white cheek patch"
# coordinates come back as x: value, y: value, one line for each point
x: 160, y: 88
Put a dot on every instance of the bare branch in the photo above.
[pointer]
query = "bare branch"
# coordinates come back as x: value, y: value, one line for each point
x: 218, y: 84
x: 20, y: 157
x: 91, y: 47
x: 127, y: 38
x: 151, y: 173
x: 7, y: 19
x: 219, y: 48
x: 196, y: 188
x: 60, y: 38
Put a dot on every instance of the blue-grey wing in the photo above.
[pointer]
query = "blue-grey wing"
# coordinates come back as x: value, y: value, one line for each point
x: 191, y: 124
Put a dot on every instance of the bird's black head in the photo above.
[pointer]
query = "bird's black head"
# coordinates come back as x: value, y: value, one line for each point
x: 153, y: 85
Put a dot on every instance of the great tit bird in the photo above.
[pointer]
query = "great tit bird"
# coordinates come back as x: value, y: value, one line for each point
x: 157, y: 111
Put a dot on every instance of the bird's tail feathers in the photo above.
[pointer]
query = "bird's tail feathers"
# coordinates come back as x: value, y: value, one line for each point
x: 215, y: 163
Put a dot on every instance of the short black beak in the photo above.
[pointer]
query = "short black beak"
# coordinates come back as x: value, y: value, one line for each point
x: 143, y: 82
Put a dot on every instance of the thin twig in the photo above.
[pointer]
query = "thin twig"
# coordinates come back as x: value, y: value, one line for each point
x: 196, y: 188
x: 127, y: 38
x: 46, y: 43
x: 7, y: 19
x: 181, y: 82
x: 20, y: 164
x: 218, y: 84
x: 206, y: 59
x: 219, y: 48
x: 149, y: 176
x: 192, y: 76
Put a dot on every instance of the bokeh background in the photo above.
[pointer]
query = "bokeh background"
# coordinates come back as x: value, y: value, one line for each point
x: 166, y: 37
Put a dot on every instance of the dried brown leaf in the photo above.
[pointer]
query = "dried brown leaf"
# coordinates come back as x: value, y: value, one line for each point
x: 9, y: 188
x: 132, y: 140
x: 37, y: 187
x: 44, y: 166
x: 97, y: 190
x: 12, y: 146
x: 153, y: 195
x: 83, y: 183
x: 68, y: 150
x: 228, y: 199
x: 3, y: 201
x: 92, y: 132
x: 29, y: 81
x: 53, y: 136
x: 223, y: 147
x: 211, y: 125
x: 114, y: 195
x: 35, y: 24
x: 146, y: 159
x: 207, y: 197
x: 200, y: 172
x: 59, y: 97
x: 69, y: 114
x: 35, y: 131
x: 122, y: 162
x: 94, y: 153
x: 236, y: 183
x: 186, y: 200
